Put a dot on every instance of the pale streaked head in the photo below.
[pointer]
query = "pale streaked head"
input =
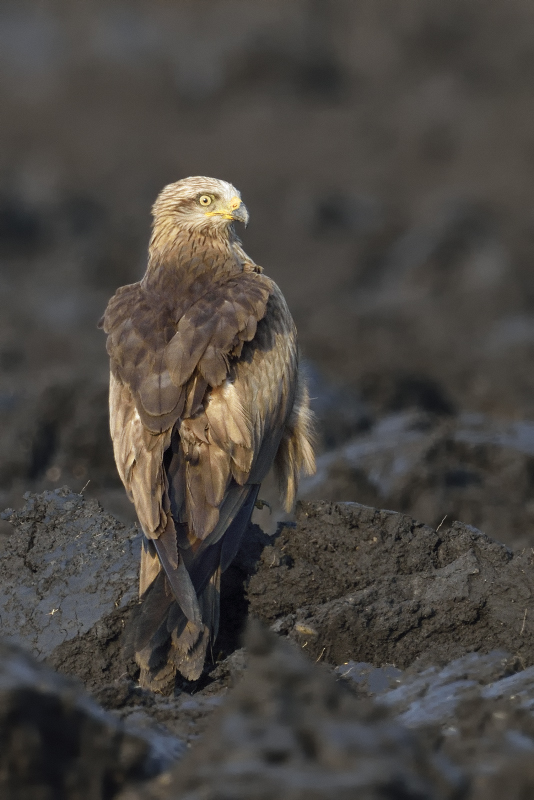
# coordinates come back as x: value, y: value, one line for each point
x: 200, y: 203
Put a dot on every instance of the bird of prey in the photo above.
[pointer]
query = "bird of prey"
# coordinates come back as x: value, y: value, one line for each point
x: 205, y: 396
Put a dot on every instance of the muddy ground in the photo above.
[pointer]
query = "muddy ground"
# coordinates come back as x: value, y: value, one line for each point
x: 399, y: 662
x: 384, y: 151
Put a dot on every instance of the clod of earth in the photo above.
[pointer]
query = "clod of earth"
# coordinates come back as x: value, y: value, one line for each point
x: 434, y: 628
x: 55, y: 742
x: 351, y: 582
x: 290, y: 732
x: 67, y: 580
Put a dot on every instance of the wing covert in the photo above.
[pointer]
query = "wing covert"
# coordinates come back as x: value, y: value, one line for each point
x: 156, y: 357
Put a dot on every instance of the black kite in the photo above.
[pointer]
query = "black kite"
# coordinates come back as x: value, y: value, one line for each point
x: 205, y: 396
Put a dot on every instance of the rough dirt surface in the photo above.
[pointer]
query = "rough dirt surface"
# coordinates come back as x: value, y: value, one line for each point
x: 56, y: 743
x: 384, y: 154
x: 466, y: 467
x: 351, y: 582
x: 426, y: 689
x: 347, y: 581
x: 67, y: 578
x: 288, y: 731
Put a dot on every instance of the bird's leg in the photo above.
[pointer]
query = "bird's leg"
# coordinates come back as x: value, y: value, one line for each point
x: 263, y: 504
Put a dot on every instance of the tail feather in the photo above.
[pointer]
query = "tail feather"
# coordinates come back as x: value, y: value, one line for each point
x: 160, y: 676
x: 234, y: 534
x: 165, y: 640
x: 171, y: 642
x: 177, y: 575
x: 189, y: 648
x: 189, y: 661
x: 210, y: 603
x: 148, y: 616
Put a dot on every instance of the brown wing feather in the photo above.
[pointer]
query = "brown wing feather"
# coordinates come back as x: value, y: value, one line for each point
x: 199, y: 404
x: 139, y: 458
x: 155, y: 355
x: 237, y: 434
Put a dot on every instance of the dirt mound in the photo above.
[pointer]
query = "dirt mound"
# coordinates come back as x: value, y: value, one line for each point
x: 351, y: 582
x: 57, y: 743
x: 288, y: 731
x: 346, y: 582
x: 68, y: 577
x: 467, y: 467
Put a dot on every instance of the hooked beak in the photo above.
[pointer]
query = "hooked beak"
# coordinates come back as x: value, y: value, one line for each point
x: 239, y: 211
x: 236, y: 210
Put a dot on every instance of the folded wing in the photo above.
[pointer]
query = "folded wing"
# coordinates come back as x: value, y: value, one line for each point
x: 199, y: 408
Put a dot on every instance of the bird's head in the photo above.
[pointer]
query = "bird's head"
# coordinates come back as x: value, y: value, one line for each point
x: 202, y: 204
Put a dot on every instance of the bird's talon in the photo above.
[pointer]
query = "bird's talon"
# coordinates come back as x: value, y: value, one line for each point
x: 261, y: 504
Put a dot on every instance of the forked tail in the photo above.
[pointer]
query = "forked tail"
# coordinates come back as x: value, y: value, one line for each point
x: 177, y: 618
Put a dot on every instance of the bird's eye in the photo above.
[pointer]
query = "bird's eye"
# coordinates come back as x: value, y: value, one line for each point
x: 204, y: 200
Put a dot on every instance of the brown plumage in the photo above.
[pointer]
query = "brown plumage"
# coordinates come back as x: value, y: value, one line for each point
x: 205, y: 396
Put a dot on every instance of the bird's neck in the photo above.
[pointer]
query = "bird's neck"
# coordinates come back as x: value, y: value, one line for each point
x: 181, y: 255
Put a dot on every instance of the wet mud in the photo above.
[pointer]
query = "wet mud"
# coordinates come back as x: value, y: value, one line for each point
x: 55, y: 742
x: 68, y: 577
x: 405, y: 254
x: 399, y: 661
x: 467, y: 467
x: 351, y: 582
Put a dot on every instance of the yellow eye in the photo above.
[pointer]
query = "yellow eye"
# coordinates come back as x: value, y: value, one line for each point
x: 204, y: 200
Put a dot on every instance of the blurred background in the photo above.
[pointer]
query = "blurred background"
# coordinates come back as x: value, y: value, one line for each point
x: 385, y: 152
